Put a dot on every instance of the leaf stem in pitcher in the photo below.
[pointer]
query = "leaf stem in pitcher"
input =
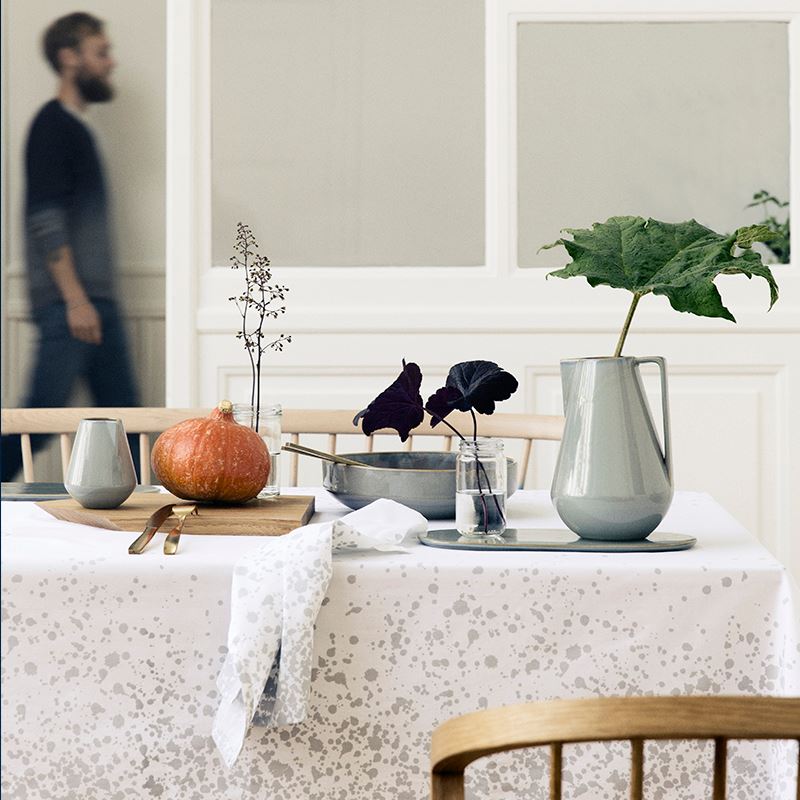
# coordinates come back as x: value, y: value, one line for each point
x: 637, y: 296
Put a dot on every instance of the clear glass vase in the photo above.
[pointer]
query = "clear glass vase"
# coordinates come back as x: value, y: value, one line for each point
x: 481, y: 488
x: 269, y: 429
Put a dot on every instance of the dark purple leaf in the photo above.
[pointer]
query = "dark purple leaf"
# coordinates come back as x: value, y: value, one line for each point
x: 481, y: 384
x: 441, y: 403
x: 399, y: 406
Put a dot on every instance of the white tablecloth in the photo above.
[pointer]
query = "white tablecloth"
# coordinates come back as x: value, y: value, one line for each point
x: 110, y: 661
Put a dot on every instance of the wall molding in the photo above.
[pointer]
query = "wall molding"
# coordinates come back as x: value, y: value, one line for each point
x: 480, y: 319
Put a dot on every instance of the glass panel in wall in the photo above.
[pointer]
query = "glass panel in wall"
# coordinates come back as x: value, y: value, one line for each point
x: 666, y: 120
x: 349, y: 132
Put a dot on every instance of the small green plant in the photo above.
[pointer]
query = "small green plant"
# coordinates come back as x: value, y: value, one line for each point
x: 678, y: 260
x: 778, y: 238
x: 256, y: 304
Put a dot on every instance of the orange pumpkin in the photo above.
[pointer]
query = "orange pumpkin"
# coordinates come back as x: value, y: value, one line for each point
x: 213, y: 458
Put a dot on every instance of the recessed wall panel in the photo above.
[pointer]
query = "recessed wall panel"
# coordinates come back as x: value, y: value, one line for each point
x: 349, y: 132
x: 671, y: 120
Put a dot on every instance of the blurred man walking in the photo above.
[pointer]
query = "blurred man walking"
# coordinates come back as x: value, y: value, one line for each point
x: 69, y: 254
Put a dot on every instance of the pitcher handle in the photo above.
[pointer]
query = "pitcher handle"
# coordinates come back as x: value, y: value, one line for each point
x: 662, y: 365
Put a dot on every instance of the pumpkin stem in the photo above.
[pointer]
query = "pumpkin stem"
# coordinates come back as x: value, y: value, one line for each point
x: 225, y: 406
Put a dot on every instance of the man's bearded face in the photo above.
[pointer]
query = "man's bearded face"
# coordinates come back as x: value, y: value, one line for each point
x: 93, y: 78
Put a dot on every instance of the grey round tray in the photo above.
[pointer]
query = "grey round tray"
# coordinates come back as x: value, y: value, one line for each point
x: 554, y: 539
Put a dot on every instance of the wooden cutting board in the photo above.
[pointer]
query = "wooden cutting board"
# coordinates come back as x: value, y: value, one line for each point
x: 255, y: 518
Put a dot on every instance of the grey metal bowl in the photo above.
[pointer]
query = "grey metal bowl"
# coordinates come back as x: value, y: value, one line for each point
x: 420, y: 480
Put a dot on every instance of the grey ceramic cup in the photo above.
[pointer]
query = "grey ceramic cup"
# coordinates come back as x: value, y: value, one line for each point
x: 100, y: 472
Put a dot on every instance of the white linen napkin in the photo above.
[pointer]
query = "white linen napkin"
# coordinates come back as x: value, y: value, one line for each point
x: 276, y: 594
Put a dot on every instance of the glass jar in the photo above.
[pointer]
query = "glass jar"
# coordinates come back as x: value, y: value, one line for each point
x: 481, y: 488
x: 269, y: 429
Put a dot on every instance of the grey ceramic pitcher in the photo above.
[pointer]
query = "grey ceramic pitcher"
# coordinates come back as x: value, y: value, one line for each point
x: 612, y: 480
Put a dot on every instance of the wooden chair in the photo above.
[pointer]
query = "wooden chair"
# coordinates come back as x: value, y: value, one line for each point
x: 295, y: 422
x: 460, y: 741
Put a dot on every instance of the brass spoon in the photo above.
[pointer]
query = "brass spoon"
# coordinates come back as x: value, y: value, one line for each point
x: 310, y: 451
x: 173, y: 537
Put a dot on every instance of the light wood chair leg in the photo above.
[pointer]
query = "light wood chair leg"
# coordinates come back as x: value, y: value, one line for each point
x: 447, y: 786
x: 524, y: 461
x: 331, y: 442
x: 66, y: 451
x: 556, y: 766
x: 27, y: 458
x: 144, y: 457
x: 293, y: 464
x: 637, y: 769
x: 720, y: 768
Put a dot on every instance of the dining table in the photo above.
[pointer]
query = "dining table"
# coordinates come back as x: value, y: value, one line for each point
x: 110, y: 661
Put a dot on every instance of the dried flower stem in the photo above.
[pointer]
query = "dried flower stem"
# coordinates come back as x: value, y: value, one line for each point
x: 262, y: 297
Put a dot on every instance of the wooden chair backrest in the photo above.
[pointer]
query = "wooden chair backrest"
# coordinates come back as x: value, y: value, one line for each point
x: 295, y: 422
x: 526, y: 427
x: 64, y: 422
x: 461, y: 740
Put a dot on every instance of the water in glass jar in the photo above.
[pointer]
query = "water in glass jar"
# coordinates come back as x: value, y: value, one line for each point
x: 273, y: 485
x: 480, y: 514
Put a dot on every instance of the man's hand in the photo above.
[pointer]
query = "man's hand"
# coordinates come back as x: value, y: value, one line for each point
x: 82, y: 317
x: 84, y: 322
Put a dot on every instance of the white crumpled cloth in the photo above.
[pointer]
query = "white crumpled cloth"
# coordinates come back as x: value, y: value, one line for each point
x: 276, y: 594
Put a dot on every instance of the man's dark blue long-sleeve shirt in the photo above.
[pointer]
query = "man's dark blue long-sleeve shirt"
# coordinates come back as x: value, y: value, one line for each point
x: 65, y: 204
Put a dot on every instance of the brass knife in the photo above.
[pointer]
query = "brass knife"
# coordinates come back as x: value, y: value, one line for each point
x: 157, y: 519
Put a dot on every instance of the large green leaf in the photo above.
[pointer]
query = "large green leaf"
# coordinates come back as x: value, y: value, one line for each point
x: 677, y: 260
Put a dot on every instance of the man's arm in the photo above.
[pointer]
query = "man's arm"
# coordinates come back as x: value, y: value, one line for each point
x: 82, y: 317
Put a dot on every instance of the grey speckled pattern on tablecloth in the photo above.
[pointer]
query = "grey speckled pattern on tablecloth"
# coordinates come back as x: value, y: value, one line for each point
x: 109, y: 670
x: 276, y: 594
